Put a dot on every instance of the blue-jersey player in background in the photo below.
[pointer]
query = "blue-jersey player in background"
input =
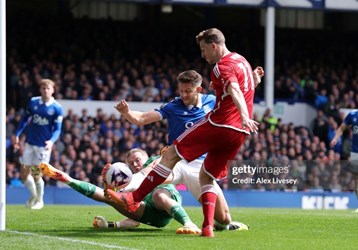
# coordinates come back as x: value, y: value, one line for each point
x: 41, y: 122
x: 181, y: 113
x: 350, y: 122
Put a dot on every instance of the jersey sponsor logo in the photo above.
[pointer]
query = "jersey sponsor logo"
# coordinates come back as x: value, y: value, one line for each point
x: 185, y: 113
x: 42, y: 121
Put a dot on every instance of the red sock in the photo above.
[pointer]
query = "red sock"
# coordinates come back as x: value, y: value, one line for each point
x: 155, y: 177
x: 208, y: 200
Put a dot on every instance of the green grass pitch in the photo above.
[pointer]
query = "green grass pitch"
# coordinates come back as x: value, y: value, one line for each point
x: 70, y: 227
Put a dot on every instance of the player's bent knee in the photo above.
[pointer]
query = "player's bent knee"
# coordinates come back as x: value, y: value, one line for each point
x: 24, y: 172
x: 160, y: 198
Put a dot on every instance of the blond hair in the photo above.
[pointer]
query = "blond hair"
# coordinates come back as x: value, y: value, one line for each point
x: 212, y: 35
x: 47, y: 82
x: 135, y: 150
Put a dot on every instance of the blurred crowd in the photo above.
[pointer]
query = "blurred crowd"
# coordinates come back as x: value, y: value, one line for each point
x: 288, y: 152
x: 106, y: 60
x: 88, y: 143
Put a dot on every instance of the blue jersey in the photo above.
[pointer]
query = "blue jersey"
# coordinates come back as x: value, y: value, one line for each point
x: 180, y: 117
x: 352, y: 120
x: 43, y: 121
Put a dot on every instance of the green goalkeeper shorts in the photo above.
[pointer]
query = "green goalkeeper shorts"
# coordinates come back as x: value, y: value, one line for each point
x: 154, y: 217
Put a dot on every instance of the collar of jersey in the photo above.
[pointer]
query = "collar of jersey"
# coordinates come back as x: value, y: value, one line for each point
x: 200, y: 102
x: 49, y: 102
x: 199, y: 105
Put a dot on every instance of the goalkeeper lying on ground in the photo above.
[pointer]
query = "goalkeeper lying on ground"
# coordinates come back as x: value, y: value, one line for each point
x: 157, y: 209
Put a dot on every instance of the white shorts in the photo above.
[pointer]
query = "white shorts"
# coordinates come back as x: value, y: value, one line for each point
x: 34, y: 155
x: 188, y: 174
x: 354, y: 156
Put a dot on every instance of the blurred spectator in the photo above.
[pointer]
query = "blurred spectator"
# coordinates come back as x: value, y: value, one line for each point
x: 269, y: 119
x: 321, y: 100
x: 320, y: 127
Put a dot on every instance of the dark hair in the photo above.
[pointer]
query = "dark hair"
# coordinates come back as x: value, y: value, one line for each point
x: 190, y: 76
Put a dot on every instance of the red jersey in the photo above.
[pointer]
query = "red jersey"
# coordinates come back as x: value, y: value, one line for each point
x: 231, y: 68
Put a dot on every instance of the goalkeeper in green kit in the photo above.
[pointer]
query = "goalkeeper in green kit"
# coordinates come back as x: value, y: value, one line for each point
x: 157, y: 209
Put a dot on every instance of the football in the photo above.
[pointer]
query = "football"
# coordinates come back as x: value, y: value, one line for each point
x: 118, y: 175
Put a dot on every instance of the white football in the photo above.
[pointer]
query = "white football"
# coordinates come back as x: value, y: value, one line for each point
x: 118, y: 175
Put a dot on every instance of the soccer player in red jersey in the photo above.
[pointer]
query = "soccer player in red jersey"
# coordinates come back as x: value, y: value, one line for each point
x: 220, y: 134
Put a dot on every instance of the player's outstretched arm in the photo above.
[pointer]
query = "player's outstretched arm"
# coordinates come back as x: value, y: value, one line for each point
x: 338, y: 134
x: 239, y: 100
x: 136, y: 117
x: 101, y: 222
x: 128, y: 223
x: 17, y: 143
x: 20, y: 128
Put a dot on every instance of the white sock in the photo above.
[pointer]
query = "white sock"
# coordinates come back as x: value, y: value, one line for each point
x: 40, y: 185
x: 162, y: 170
x: 30, y: 184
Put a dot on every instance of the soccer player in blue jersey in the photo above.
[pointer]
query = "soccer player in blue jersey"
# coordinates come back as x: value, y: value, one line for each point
x: 181, y: 114
x: 350, y: 122
x: 41, y: 122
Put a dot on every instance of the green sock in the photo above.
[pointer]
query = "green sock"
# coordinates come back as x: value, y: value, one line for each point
x: 84, y: 188
x: 179, y: 214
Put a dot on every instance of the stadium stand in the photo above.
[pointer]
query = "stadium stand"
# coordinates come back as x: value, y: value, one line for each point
x: 113, y: 60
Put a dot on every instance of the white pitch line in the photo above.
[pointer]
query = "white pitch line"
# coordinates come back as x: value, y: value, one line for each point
x: 70, y: 240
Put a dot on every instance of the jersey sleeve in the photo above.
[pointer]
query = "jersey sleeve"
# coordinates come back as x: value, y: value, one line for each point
x: 163, y: 111
x: 348, y: 120
x: 150, y: 160
x: 228, y: 75
x: 57, y: 126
